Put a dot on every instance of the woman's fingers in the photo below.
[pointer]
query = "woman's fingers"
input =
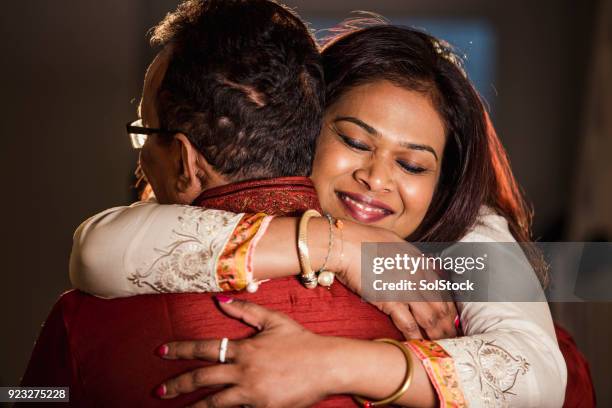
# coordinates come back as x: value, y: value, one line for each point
x: 198, y: 378
x: 435, y: 310
x: 402, y: 318
x: 197, y: 349
x: 436, y: 318
x: 252, y: 314
x: 452, y: 315
x: 257, y: 365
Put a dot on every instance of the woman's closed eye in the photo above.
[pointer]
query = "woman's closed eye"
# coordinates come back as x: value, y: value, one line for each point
x: 361, y: 146
x: 411, y: 168
x: 354, y: 143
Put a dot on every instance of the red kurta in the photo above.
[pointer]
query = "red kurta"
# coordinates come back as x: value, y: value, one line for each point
x: 104, y: 349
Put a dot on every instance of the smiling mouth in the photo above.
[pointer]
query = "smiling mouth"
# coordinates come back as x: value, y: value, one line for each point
x: 362, y: 208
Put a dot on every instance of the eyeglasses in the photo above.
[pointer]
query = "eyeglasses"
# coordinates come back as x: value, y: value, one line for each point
x: 138, y: 134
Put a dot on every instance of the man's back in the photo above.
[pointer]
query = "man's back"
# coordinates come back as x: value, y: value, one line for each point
x: 105, y: 349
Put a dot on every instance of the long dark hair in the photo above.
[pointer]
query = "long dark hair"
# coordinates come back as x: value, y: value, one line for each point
x: 475, y: 168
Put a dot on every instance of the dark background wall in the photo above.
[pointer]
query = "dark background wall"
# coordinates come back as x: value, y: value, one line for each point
x: 71, y: 74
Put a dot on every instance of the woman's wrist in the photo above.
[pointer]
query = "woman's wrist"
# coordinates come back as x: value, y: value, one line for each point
x: 324, y: 245
x: 373, y: 370
x: 362, y: 367
x: 277, y: 256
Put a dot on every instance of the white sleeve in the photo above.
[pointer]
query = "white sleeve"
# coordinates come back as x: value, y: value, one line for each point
x: 150, y: 248
x: 509, y: 356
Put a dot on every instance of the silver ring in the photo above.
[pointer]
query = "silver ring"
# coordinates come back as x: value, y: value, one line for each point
x: 223, y: 349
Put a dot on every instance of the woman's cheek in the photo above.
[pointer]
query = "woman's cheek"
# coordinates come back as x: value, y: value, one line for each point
x: 416, y: 197
x: 344, y: 164
x: 332, y: 170
x: 425, y: 193
x: 331, y: 162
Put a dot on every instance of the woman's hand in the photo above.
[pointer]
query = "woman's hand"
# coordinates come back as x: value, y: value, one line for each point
x: 262, y: 369
x: 428, y: 315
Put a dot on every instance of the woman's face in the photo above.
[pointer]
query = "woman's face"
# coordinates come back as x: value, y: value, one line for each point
x: 379, y: 156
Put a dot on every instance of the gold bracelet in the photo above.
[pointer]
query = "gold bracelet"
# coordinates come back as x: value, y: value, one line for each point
x: 308, y: 276
x: 325, y: 277
x: 403, y: 388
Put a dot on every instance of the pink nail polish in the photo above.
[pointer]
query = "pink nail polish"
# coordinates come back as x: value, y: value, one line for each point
x: 161, y: 390
x: 162, y: 350
x: 224, y: 299
x: 457, y: 323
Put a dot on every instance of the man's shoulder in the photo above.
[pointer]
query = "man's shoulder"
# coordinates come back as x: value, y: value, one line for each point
x: 66, y: 307
x: 71, y: 299
x: 71, y: 295
x: 75, y: 303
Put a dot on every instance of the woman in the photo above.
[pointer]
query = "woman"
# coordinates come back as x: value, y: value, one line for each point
x: 405, y: 147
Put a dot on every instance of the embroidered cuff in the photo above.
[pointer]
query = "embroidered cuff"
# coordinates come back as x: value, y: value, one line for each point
x: 186, y: 260
x: 441, y: 371
x: 235, y: 265
x: 490, y: 373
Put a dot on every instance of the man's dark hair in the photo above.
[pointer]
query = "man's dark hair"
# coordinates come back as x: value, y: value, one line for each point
x: 244, y: 83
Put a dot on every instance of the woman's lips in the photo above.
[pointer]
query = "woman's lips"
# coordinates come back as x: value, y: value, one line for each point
x: 362, y: 208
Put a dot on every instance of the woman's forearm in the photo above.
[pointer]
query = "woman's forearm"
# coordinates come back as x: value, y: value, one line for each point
x: 375, y: 370
x: 127, y: 251
x: 276, y: 254
x: 122, y: 251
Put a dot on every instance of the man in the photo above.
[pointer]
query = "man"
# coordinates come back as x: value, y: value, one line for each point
x: 235, y: 94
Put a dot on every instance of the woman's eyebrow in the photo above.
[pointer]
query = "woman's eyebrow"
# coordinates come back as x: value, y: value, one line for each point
x: 357, y: 122
x: 374, y: 132
x: 416, y: 146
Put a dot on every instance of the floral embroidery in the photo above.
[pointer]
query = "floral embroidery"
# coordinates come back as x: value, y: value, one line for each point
x: 232, y: 267
x: 189, y: 263
x: 286, y: 196
x: 488, y: 372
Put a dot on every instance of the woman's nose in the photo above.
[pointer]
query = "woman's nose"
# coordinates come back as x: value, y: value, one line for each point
x: 375, y: 175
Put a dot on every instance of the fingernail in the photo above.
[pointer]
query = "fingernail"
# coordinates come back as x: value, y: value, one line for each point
x: 162, y: 350
x: 224, y: 299
x: 161, y: 390
x: 457, y: 322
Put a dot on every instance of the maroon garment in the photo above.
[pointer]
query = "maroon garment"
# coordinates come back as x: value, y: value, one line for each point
x: 289, y: 196
x: 104, y: 349
x: 580, y: 392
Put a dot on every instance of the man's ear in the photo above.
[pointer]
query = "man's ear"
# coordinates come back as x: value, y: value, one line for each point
x: 189, y: 175
x: 195, y: 173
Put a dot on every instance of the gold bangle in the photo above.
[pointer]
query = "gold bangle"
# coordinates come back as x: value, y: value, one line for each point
x: 324, y: 277
x: 308, y: 276
x: 403, y: 388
